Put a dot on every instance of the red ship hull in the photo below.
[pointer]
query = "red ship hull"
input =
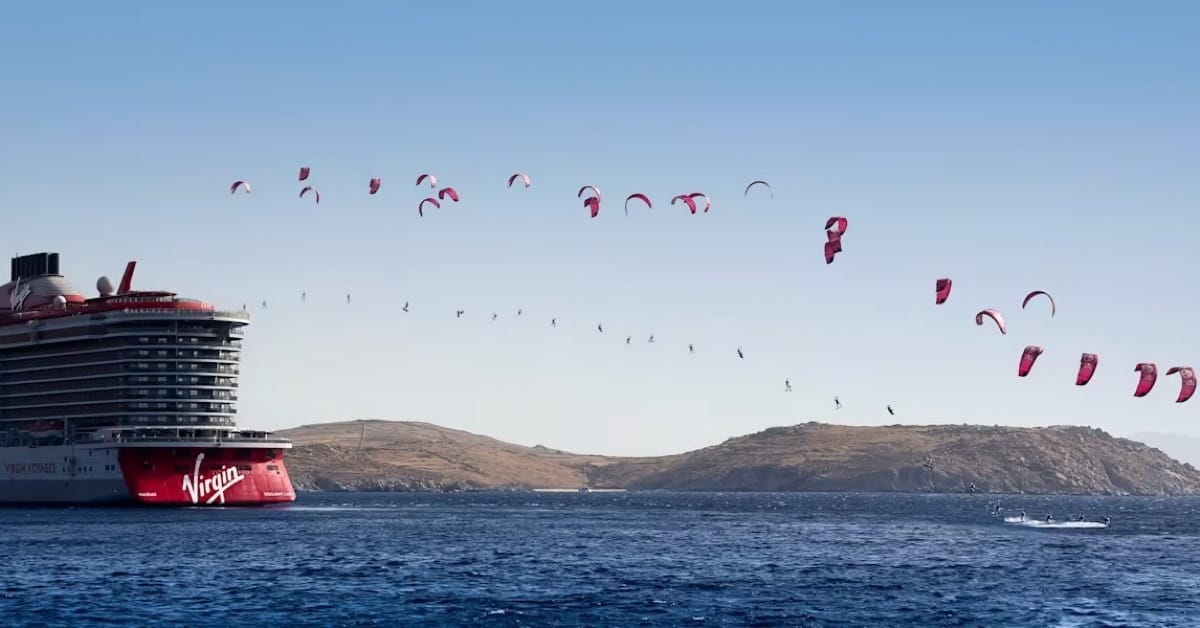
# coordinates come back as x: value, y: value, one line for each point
x: 171, y: 474
x: 206, y: 476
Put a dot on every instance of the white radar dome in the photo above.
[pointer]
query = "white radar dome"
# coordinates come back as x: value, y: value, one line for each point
x: 104, y: 286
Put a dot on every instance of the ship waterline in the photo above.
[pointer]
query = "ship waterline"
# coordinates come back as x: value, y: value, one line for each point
x: 127, y: 397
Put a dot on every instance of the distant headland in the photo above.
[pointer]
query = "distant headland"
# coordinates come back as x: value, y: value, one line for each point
x: 372, y: 455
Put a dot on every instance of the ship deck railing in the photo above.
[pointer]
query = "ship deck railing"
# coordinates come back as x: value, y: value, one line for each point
x: 133, y: 439
x: 163, y: 312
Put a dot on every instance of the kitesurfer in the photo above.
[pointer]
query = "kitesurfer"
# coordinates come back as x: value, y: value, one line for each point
x: 628, y: 339
x: 890, y: 410
x: 405, y: 308
x: 651, y: 338
x: 1106, y: 521
x: 554, y: 322
x: 740, y: 353
x: 458, y: 314
x: 493, y: 316
x: 600, y: 327
x: 1049, y: 517
x: 691, y: 349
x: 1022, y: 515
x: 787, y: 385
x: 347, y: 297
x: 837, y: 403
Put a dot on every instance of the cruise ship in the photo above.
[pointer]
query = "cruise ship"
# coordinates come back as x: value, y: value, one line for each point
x: 125, y: 397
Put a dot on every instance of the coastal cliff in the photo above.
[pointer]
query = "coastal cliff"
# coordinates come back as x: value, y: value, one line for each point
x: 404, y: 455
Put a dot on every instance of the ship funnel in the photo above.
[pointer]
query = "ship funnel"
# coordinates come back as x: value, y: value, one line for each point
x: 34, y: 265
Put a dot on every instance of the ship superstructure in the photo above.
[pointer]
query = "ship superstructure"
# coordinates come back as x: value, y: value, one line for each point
x: 125, y: 396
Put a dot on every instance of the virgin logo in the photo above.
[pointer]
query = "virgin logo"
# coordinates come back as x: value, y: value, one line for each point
x: 211, y: 489
x: 18, y: 294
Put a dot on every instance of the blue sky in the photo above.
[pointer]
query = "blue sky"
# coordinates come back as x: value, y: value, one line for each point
x: 1011, y: 146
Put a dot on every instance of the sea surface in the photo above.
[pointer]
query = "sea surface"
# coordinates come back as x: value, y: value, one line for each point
x: 611, y: 559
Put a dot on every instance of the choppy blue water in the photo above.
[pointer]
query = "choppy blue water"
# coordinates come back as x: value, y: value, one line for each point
x: 626, y: 559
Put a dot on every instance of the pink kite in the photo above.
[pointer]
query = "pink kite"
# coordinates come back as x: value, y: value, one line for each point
x: 233, y: 188
x: 841, y: 223
x: 1187, y: 377
x: 309, y: 188
x: 444, y: 192
x: 833, y: 246
x: 1028, y: 357
x: 1035, y: 293
x: 707, y: 201
x: 303, y: 173
x: 593, y: 204
x: 1087, y: 367
x: 421, y: 205
x: 588, y: 187
x: 522, y: 176
x: 432, y: 180
x: 641, y: 197
x: 1149, y: 375
x: 759, y: 182
x: 942, y: 288
x: 995, y: 316
x: 375, y: 183
x: 691, y: 203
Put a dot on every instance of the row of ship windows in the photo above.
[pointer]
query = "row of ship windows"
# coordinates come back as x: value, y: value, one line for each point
x: 117, y: 395
x: 65, y: 367
x: 186, y: 353
x: 110, y: 331
x: 142, y: 419
x: 162, y: 340
x: 102, y: 382
x: 108, y: 356
x: 114, y: 368
x: 106, y: 409
x: 179, y: 405
x: 81, y: 342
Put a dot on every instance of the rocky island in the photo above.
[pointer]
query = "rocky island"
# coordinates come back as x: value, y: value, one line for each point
x: 406, y: 455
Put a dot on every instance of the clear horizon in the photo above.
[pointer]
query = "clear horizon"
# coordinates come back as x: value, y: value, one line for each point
x: 1009, y: 146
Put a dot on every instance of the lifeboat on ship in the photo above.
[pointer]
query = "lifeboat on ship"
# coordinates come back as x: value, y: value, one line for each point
x: 46, y: 429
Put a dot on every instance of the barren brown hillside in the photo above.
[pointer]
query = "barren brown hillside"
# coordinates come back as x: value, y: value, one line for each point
x: 396, y: 455
x: 401, y: 455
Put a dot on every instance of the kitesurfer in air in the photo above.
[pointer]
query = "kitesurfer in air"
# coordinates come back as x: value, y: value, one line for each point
x: 405, y: 308
x: 518, y: 312
x: 493, y: 316
x: 837, y: 403
x: 740, y: 353
x: 691, y: 349
x: 554, y: 322
x: 458, y: 314
x: 600, y: 328
x: 628, y: 339
x: 890, y: 410
x: 787, y: 385
x: 651, y: 338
